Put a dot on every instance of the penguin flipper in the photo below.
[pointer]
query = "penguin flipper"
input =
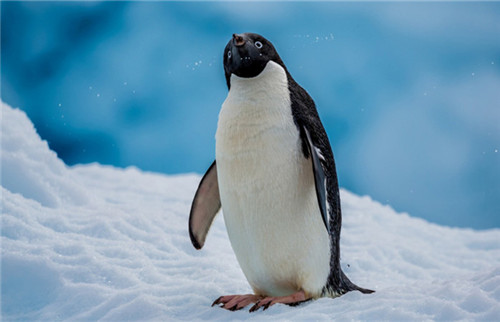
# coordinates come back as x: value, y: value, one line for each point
x: 206, y: 204
x: 319, y: 177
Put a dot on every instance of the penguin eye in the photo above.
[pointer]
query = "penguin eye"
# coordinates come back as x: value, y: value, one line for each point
x: 229, y: 54
x: 258, y: 44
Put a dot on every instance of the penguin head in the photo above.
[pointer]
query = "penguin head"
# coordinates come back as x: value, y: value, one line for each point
x: 246, y: 55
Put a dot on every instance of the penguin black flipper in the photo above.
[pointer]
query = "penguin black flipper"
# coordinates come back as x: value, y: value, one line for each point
x: 319, y: 177
x: 315, y: 143
x: 206, y: 204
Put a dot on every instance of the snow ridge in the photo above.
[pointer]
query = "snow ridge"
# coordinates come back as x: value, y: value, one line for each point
x: 95, y: 242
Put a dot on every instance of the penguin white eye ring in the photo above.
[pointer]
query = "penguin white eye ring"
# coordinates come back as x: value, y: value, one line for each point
x: 258, y: 44
x: 274, y: 172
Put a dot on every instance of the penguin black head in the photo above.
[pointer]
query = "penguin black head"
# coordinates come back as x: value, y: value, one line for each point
x: 246, y: 55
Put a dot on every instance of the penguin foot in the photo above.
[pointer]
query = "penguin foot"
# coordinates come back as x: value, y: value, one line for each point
x: 236, y: 302
x: 292, y: 300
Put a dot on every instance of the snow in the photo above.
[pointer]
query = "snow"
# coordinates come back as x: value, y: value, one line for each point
x: 95, y: 242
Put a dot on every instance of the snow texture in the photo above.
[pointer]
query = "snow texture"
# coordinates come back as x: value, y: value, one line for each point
x: 96, y: 242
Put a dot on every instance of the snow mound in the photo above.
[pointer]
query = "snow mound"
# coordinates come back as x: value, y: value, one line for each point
x: 95, y: 242
x: 30, y: 168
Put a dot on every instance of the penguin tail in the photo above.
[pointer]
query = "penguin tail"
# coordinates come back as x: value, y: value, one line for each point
x: 353, y: 287
x: 363, y: 290
x: 340, y: 284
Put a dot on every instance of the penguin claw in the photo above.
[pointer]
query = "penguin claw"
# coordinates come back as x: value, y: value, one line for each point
x: 254, y: 308
x: 257, y: 306
x: 217, y: 301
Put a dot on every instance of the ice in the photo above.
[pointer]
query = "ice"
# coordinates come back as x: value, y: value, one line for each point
x: 96, y: 242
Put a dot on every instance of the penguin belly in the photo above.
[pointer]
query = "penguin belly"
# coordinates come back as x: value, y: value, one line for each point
x: 267, y: 189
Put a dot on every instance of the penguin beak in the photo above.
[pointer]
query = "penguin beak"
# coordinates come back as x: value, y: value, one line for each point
x: 238, y: 40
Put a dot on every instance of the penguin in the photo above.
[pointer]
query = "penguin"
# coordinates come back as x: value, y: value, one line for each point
x: 275, y: 179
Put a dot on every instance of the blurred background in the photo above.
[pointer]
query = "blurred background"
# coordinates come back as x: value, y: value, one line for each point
x: 409, y: 93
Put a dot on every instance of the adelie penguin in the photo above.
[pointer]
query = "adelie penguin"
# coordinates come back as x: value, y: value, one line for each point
x: 275, y: 179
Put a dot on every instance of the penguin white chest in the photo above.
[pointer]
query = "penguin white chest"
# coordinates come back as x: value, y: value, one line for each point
x: 267, y: 189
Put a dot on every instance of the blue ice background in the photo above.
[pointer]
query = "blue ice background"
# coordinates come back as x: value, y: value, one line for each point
x: 409, y: 93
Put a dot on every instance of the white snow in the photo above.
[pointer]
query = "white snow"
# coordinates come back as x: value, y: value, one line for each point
x: 96, y: 242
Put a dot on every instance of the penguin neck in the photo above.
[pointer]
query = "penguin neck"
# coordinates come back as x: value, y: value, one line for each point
x: 271, y: 81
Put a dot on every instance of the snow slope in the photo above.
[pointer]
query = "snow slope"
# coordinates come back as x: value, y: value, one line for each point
x: 95, y: 242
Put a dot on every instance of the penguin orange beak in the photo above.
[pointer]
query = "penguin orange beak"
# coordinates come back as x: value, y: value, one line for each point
x: 238, y: 40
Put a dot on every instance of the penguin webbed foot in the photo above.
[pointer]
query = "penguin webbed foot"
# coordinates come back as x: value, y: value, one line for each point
x: 236, y: 302
x: 291, y: 300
